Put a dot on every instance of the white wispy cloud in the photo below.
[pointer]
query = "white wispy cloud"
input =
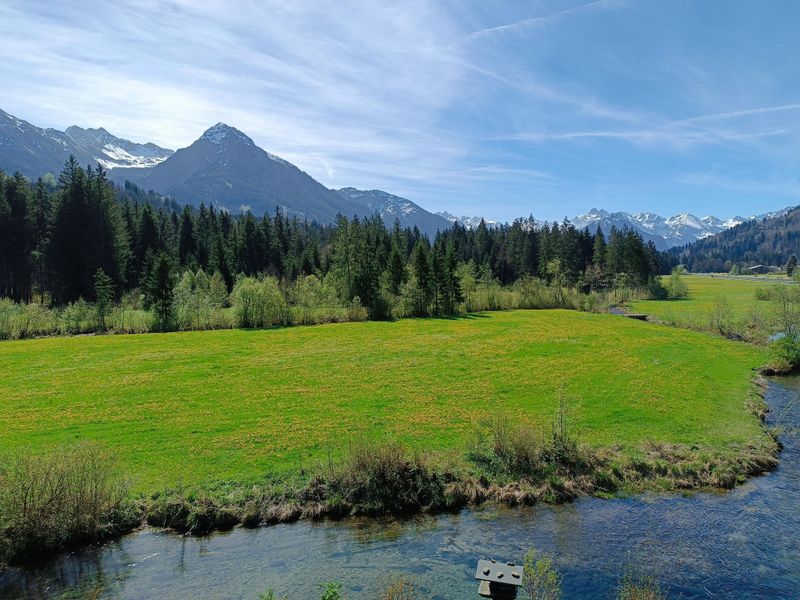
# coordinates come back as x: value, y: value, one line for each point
x: 424, y: 98
x: 553, y: 17
x: 680, y: 133
x: 314, y: 85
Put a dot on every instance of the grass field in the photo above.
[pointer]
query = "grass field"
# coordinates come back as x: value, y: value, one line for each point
x: 705, y: 291
x: 199, y: 406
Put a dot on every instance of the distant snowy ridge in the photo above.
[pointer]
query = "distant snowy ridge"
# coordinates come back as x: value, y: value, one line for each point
x: 677, y: 230
x: 393, y: 209
x: 468, y: 222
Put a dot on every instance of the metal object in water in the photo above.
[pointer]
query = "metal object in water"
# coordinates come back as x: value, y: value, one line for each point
x: 499, y: 581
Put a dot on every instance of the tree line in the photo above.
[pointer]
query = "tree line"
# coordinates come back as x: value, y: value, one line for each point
x: 81, y: 237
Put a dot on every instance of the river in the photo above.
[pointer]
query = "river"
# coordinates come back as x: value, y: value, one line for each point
x: 740, y: 544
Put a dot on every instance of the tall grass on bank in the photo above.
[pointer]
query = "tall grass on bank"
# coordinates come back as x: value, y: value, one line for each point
x: 547, y: 455
x: 68, y: 497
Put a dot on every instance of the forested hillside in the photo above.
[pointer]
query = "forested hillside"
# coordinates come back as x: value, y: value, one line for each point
x: 758, y: 242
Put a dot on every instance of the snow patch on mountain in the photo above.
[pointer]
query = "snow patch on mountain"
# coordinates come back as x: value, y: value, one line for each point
x: 114, y: 156
x: 221, y: 133
x: 393, y: 208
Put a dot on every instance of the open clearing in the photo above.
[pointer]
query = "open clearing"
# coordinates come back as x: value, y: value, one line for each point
x: 200, y: 406
x: 704, y: 293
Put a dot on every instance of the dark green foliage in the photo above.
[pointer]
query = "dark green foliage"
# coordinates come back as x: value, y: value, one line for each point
x: 104, y: 296
x: 791, y: 265
x: 15, y: 238
x: 54, y: 239
x: 159, y: 280
x: 88, y: 233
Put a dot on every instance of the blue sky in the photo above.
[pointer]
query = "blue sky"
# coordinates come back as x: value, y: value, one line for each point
x: 501, y: 109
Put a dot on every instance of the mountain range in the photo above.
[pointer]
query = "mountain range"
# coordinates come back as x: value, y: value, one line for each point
x: 223, y: 166
x: 665, y: 233
x: 768, y: 239
x: 34, y: 151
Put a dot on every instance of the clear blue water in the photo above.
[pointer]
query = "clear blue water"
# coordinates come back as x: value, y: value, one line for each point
x: 741, y: 544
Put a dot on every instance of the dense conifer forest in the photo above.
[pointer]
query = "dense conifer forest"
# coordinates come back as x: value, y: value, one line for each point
x: 81, y: 238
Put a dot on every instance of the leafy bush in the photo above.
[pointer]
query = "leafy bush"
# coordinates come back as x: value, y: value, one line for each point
x: 785, y: 353
x: 77, y: 317
x: 636, y: 585
x: 540, y: 581
x: 198, y: 303
x: 331, y: 590
x: 259, y: 302
x: 18, y: 321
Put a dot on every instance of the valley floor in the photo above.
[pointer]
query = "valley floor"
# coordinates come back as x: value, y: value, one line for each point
x: 197, y: 407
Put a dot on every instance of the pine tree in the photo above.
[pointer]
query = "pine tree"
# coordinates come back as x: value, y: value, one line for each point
x: 422, y: 274
x: 104, y: 297
x: 791, y: 265
x: 41, y: 217
x: 396, y: 270
x: 187, y: 244
x: 159, y: 280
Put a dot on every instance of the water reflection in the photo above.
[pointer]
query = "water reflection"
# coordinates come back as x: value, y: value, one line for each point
x: 743, y: 544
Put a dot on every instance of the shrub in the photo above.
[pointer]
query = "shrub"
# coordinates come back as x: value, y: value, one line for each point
x: 130, y: 320
x: 197, y: 304
x: 540, y: 581
x: 356, y: 312
x: 521, y: 451
x: 676, y: 287
x: 721, y: 317
x: 785, y: 353
x: 639, y: 586
x: 65, y: 497
x: 77, y: 317
x: 331, y: 590
x: 259, y: 302
x: 399, y: 588
x: 376, y: 479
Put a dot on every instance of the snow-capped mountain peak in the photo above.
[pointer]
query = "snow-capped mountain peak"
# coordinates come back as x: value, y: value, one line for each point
x: 221, y: 132
x: 685, y: 220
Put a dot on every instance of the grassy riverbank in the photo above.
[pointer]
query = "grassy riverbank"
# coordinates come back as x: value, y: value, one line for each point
x: 208, y: 429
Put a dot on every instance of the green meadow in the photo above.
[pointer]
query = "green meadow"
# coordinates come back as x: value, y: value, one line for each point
x: 722, y: 302
x: 197, y: 407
